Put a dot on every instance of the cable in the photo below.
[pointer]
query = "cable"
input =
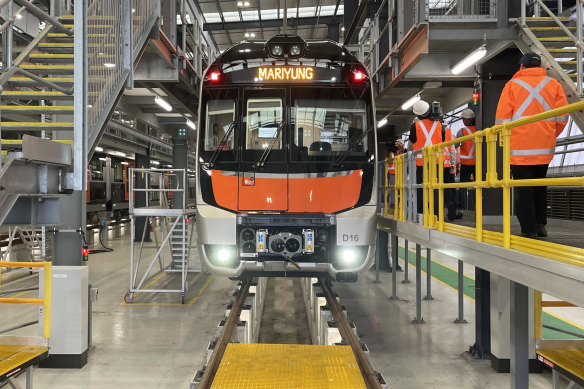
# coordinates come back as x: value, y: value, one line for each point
x: 105, y: 248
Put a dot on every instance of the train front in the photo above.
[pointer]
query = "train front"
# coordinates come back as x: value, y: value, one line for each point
x: 286, y: 162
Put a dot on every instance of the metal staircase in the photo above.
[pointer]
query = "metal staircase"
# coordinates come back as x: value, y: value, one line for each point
x: 183, y: 247
x: 42, y: 121
x: 558, y: 40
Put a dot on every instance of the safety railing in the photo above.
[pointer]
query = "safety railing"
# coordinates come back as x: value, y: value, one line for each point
x: 45, y: 301
x: 433, y: 180
x: 456, y: 9
x: 115, y: 32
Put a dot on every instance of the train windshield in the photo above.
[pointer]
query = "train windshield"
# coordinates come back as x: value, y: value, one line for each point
x: 220, y: 115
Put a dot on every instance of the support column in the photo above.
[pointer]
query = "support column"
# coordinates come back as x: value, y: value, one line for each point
x: 482, y: 346
x: 179, y: 161
x: 142, y: 162
x: 501, y: 315
x: 333, y: 32
x: 350, y: 11
x: 519, y: 336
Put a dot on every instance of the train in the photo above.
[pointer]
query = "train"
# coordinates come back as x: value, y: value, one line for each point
x: 286, y: 154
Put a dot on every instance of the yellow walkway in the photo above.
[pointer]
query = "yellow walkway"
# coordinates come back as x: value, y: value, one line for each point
x: 16, y: 358
x: 288, y: 366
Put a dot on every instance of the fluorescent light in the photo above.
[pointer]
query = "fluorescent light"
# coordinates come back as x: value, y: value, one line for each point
x: 109, y: 65
x: 99, y: 148
x: 155, y: 163
x: 102, y: 159
x: 191, y: 125
x: 18, y: 16
x: 469, y: 60
x: 382, y: 123
x: 120, y: 154
x: 343, y: 28
x: 163, y: 103
x: 124, y: 163
x: 408, y: 104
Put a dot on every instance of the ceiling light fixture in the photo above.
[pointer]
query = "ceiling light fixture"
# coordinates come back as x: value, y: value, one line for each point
x: 120, y: 154
x: 99, y: 149
x: 155, y: 163
x: 191, y: 125
x: 160, y: 101
x: 410, y: 102
x: 471, y: 59
x: 382, y: 123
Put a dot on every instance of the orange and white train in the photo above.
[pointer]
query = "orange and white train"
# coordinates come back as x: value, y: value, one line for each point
x: 286, y: 153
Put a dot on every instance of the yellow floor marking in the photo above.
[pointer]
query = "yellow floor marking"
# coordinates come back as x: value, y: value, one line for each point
x: 20, y: 294
x: 195, y: 298
x: 562, y: 319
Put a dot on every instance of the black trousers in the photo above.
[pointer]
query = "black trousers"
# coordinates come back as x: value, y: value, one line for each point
x: 530, y: 201
x: 465, y: 197
x: 449, y: 194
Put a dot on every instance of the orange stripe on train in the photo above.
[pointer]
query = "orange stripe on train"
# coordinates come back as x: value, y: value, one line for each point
x: 307, y: 195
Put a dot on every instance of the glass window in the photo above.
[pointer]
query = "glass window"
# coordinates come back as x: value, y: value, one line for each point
x: 325, y: 126
x: 264, y: 116
x: 220, y: 115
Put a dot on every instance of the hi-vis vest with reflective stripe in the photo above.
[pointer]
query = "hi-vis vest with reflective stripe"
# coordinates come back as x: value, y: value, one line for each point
x: 530, y: 92
x: 448, y: 149
x: 391, y: 165
x: 467, y: 149
x: 428, y: 132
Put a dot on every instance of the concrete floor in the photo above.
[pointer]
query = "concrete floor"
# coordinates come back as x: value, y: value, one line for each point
x: 159, y: 343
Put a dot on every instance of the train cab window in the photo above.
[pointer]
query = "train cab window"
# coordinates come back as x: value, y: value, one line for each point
x: 326, y: 127
x: 220, y: 116
x: 264, y: 116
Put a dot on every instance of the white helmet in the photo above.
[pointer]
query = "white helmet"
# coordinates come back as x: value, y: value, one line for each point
x: 421, y: 107
x: 467, y: 113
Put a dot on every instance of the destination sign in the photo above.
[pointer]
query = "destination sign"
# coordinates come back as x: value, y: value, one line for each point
x: 285, y: 73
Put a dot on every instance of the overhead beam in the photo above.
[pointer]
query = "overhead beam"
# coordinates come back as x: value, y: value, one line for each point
x: 274, y: 23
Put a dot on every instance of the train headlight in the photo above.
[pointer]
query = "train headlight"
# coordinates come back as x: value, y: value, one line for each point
x: 222, y: 256
x: 350, y: 257
x: 295, y: 50
x: 277, y: 50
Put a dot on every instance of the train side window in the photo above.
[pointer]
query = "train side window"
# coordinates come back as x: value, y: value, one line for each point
x: 261, y: 123
x: 220, y: 115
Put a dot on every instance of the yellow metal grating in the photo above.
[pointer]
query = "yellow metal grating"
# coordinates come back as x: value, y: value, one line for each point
x: 570, y: 359
x: 256, y: 366
x: 13, y: 356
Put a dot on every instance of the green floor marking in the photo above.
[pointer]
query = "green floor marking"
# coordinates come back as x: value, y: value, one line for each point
x: 450, y: 278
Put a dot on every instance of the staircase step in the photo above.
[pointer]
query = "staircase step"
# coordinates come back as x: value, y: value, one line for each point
x: 25, y: 81
x: 34, y: 95
x: 562, y: 51
x: 48, y: 69
x: 52, y: 58
x: 541, y: 32
x: 54, y: 47
x: 556, y: 44
x: 38, y: 109
x: 36, y: 126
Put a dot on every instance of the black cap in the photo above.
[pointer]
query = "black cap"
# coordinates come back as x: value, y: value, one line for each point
x: 530, y: 60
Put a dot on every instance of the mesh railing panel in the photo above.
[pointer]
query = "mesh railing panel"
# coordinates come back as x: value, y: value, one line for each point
x: 461, y: 9
x: 105, y: 54
x: 105, y: 49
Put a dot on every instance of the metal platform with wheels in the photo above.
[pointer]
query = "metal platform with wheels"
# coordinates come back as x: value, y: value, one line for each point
x: 165, y: 198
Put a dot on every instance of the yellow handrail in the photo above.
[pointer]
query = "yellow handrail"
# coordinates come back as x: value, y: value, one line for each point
x: 434, y: 180
x: 45, y: 302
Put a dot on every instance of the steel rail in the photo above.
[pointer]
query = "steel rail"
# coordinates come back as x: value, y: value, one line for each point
x: 225, y: 337
x: 369, y: 375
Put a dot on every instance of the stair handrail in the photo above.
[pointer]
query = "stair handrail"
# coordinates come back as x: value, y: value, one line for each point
x: 42, y: 15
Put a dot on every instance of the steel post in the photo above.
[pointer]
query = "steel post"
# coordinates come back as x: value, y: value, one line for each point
x: 428, y: 275
x: 377, y: 254
x: 519, y: 336
x: 406, y: 262
x: 9, y: 38
x: 579, y: 47
x: 523, y: 11
x: 460, y: 318
x: 418, y: 319
x: 394, y: 254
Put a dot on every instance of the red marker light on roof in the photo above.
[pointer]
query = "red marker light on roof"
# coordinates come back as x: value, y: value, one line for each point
x: 358, y: 75
x: 214, y: 76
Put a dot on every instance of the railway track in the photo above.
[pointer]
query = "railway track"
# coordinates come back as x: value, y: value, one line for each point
x: 229, y: 332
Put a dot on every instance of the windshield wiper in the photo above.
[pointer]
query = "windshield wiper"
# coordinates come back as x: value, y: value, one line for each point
x: 266, y: 154
x: 221, y: 146
x: 352, y: 144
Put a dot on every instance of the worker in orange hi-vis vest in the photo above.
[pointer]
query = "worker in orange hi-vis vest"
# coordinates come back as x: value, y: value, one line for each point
x: 392, y: 150
x: 467, y: 151
x: 449, y: 173
x: 425, y: 131
x: 530, y: 92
